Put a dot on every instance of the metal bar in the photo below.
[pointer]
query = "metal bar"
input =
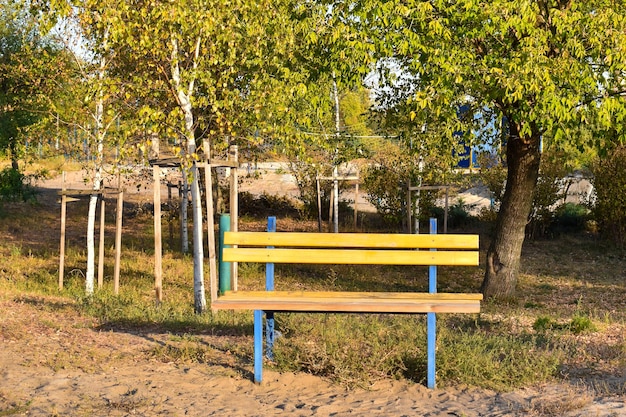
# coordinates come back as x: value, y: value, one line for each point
x: 224, y: 276
x: 258, y: 346
x: 269, y: 286
x: 431, y: 320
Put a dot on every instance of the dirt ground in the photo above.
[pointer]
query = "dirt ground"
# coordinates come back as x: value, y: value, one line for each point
x: 43, y: 372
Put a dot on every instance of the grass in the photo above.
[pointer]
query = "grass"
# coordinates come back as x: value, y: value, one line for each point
x: 569, y: 319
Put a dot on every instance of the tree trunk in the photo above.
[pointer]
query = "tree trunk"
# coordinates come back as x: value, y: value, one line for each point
x: 97, y: 181
x: 184, y: 101
x: 503, y: 256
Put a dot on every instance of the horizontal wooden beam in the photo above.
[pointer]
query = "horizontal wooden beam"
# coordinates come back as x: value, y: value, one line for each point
x: 351, y: 240
x: 351, y: 256
x: 349, y: 302
x: 340, y: 178
x: 215, y: 163
x: 79, y: 192
x: 429, y: 187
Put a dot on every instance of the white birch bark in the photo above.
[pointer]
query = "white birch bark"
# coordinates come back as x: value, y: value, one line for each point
x: 184, y: 101
x: 97, y: 179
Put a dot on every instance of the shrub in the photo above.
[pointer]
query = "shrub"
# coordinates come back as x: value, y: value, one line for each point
x: 609, y: 182
x: 15, y: 186
x: 547, y: 194
x: 387, y: 181
x: 306, y: 175
x: 570, y: 217
x: 493, y: 175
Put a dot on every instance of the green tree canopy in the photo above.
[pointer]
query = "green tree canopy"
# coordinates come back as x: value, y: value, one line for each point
x: 541, y: 68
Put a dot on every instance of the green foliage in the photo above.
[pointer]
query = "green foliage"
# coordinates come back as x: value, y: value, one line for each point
x: 265, y: 205
x: 493, y: 175
x: 15, y: 186
x: 525, y: 71
x: 388, y: 177
x: 547, y: 194
x: 609, y: 182
x: 570, y: 217
x: 579, y: 323
x: 458, y: 215
x: 31, y: 65
x: 306, y: 174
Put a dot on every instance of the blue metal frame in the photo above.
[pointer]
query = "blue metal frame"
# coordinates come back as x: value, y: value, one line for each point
x: 431, y: 319
x: 270, y: 334
x: 269, y: 319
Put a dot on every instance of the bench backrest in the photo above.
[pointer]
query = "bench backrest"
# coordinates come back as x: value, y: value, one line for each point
x: 351, y: 248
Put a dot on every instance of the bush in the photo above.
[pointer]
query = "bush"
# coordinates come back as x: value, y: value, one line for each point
x: 15, y: 186
x: 387, y: 181
x: 570, y: 217
x: 609, y: 182
x: 306, y: 175
x: 547, y: 194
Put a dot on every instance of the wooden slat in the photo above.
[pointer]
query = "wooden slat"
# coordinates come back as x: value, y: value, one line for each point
x: 351, y: 257
x: 355, y: 294
x: 351, y: 240
x: 349, y: 302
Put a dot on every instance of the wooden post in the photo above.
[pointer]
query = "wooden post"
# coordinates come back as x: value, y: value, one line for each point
x: 330, y: 211
x: 409, y: 208
x: 335, y: 201
x: 62, y: 244
x: 445, y: 216
x: 234, y: 205
x: 356, y: 205
x: 319, y: 204
x: 169, y: 217
x: 184, y: 231
x: 158, y: 247
x: 118, y: 235
x: 208, y: 183
x: 101, y: 245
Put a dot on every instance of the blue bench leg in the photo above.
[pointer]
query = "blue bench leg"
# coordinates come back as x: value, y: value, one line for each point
x: 258, y: 346
x: 431, y: 326
x: 270, y: 335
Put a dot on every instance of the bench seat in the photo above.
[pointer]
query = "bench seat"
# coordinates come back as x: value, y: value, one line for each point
x: 357, y: 302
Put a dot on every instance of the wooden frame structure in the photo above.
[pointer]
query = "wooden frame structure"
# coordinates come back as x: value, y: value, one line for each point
x: 207, y: 164
x: 69, y: 196
x: 332, y: 210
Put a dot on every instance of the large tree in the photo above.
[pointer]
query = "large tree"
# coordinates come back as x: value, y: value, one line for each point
x: 33, y: 71
x: 540, y: 67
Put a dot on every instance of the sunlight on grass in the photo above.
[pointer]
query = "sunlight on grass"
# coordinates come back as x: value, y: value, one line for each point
x: 569, y: 317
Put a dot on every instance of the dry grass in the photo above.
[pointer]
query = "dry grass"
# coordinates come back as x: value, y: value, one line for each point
x: 573, y: 276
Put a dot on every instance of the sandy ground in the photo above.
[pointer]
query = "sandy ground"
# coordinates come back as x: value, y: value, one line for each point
x: 54, y: 362
x: 73, y: 368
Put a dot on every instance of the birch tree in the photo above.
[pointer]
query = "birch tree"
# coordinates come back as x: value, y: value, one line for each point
x: 91, y: 97
x: 206, y: 70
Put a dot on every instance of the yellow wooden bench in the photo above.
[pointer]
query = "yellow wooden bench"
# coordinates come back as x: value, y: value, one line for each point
x: 349, y: 248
